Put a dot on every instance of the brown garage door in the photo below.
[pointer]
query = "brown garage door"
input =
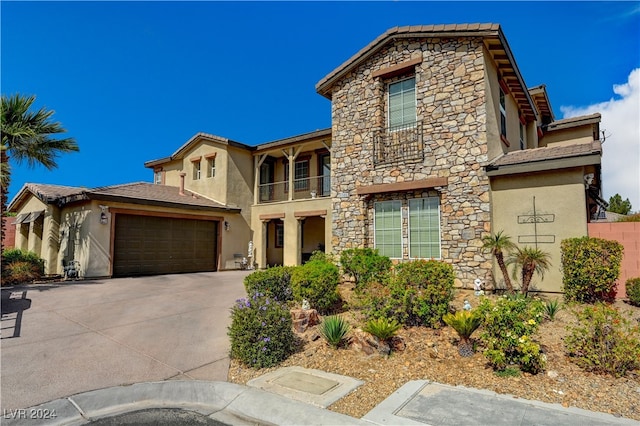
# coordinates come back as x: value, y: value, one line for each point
x: 152, y: 245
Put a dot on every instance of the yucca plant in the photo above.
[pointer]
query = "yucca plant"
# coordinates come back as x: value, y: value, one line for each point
x: 465, y: 323
x: 334, y: 329
x: 382, y: 328
x: 551, y: 308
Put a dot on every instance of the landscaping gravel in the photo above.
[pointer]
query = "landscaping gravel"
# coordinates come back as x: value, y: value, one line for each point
x: 432, y: 355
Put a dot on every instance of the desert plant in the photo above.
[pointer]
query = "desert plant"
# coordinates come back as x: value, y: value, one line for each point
x: 590, y: 269
x: 508, y: 325
x: 273, y: 282
x: 334, y: 329
x: 317, y: 282
x: 551, y: 308
x: 529, y: 260
x: 497, y: 244
x: 633, y: 290
x: 604, y: 341
x: 382, y: 328
x: 464, y: 323
x: 418, y: 294
x: 261, y: 331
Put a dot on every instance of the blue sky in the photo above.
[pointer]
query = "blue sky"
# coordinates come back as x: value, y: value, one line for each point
x: 132, y: 81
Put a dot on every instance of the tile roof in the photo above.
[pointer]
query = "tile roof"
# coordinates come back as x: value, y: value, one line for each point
x: 152, y: 194
x: 50, y: 193
x: 547, y: 153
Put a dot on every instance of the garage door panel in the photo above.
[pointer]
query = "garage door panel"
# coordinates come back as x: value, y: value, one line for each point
x: 147, y: 245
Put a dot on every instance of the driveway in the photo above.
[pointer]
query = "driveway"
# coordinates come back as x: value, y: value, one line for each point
x: 61, y: 339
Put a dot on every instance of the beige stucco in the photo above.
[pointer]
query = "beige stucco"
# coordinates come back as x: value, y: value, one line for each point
x: 560, y: 204
x: 291, y: 252
x: 570, y: 136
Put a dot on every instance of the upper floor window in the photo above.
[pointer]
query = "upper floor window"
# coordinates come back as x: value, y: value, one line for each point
x: 211, y: 167
x: 196, y: 170
x: 503, y: 114
x: 402, y: 102
x: 157, y: 177
x: 300, y: 175
x: 522, y: 140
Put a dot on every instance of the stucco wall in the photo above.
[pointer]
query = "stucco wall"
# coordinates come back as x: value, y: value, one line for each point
x: 627, y: 234
x: 451, y: 101
x: 560, y: 210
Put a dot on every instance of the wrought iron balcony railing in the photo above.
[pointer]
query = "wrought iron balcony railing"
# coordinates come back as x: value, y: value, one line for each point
x: 311, y: 187
x: 398, y: 144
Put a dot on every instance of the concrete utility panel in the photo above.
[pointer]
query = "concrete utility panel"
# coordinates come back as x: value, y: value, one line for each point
x: 311, y: 386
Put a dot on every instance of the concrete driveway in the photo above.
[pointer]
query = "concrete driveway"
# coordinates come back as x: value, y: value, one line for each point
x: 65, y: 338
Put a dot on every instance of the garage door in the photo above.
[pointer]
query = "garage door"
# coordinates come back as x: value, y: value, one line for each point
x: 152, y: 245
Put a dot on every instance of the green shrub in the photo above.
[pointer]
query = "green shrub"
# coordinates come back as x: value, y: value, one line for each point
x: 273, y: 282
x: 334, y: 329
x: 418, y: 294
x: 317, y: 282
x: 508, y: 325
x: 382, y: 328
x: 630, y: 218
x: 261, y: 331
x: 17, y: 255
x: 590, y: 267
x: 633, y: 290
x: 365, y: 265
x: 604, y: 341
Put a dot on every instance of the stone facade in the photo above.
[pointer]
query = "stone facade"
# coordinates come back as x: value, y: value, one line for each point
x: 451, y: 88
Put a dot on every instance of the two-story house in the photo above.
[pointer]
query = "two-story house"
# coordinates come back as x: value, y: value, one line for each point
x: 435, y: 142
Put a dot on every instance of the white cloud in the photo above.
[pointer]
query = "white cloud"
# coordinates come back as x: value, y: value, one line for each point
x: 621, y: 150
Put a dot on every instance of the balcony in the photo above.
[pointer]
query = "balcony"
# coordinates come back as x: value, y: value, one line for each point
x: 305, y: 188
x: 398, y: 144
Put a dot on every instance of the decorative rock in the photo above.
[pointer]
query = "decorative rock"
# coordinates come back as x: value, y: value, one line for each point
x: 552, y: 374
x: 303, y: 319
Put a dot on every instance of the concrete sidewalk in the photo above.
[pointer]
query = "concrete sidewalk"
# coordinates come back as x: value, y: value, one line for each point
x: 221, y: 403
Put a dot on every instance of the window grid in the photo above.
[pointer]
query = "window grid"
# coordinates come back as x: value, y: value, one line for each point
x: 402, y: 102
x: 503, y: 114
x: 196, y: 170
x: 211, y: 169
x: 424, y: 228
x: 388, y: 228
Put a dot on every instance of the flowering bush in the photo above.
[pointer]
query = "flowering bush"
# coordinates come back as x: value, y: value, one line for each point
x: 261, y: 331
x: 274, y: 282
x: 604, y: 341
x: 509, y: 324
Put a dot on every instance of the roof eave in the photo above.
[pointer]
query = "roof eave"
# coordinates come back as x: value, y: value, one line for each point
x: 544, y: 165
x: 159, y: 203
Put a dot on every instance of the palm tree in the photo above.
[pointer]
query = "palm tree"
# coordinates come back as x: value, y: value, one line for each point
x: 531, y: 260
x: 497, y: 244
x: 28, y: 136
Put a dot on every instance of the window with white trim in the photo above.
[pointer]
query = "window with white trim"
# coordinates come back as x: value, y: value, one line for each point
x: 196, y: 170
x: 522, y: 141
x: 388, y: 228
x: 402, y: 103
x: 424, y: 228
x: 157, y: 176
x: 211, y: 167
x: 503, y: 114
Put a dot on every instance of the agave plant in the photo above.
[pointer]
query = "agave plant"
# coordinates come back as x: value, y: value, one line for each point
x: 382, y: 328
x: 465, y: 323
x: 334, y: 329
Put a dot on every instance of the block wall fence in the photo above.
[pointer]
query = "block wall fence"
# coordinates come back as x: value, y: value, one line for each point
x: 627, y: 234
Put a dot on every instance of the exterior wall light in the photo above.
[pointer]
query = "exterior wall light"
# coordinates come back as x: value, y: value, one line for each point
x: 104, y: 219
x: 227, y: 226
